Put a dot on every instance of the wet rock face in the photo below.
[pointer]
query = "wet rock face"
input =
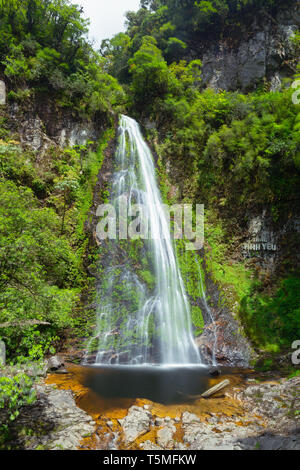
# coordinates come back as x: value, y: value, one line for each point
x: 264, y: 51
x: 222, y: 338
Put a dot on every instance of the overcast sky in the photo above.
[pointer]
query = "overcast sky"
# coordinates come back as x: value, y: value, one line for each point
x: 106, y: 16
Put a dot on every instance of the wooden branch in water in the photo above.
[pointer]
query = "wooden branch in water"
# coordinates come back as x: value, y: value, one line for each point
x: 215, y: 389
x: 208, y: 393
x: 21, y: 324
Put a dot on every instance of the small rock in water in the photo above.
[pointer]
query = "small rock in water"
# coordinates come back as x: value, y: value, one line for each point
x: 214, y: 372
x: 62, y: 370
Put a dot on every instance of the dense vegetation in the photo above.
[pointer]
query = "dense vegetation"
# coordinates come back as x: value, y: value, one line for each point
x: 45, y: 198
x: 236, y: 153
x: 42, y: 242
x: 43, y: 49
x: 231, y: 151
x: 180, y: 28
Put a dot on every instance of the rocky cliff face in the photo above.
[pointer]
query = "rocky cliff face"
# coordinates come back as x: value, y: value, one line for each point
x: 264, y: 51
x: 269, y: 244
x: 40, y: 124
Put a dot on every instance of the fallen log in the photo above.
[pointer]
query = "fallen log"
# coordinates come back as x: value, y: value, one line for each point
x: 208, y: 393
x: 21, y: 324
x: 215, y: 389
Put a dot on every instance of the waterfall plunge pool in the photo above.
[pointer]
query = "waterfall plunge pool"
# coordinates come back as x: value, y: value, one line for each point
x: 168, y: 383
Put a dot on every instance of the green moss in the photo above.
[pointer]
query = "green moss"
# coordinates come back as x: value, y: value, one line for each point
x: 233, y: 278
x: 197, y: 319
x: 148, y: 278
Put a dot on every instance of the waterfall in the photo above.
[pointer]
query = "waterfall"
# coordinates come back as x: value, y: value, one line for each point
x: 143, y: 313
x: 209, y: 314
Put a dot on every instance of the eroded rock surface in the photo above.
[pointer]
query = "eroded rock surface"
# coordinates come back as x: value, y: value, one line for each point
x: 269, y: 421
x: 136, y: 423
x: 264, y: 51
x: 54, y: 422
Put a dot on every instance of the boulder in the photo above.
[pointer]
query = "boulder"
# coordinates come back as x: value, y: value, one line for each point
x: 56, y: 365
x: 135, y: 424
x: 165, y: 435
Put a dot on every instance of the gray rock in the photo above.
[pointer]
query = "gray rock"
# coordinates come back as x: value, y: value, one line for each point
x: 261, y: 53
x: 275, y: 83
x: 148, y: 445
x: 2, y: 353
x: 165, y: 436
x: 135, y: 424
x: 189, y: 418
x: 42, y: 128
x: 277, y: 403
x: 55, y: 421
x: 2, y: 93
x: 54, y: 364
x: 159, y: 421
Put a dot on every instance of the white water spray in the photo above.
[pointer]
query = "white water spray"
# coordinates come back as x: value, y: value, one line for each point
x: 143, y: 311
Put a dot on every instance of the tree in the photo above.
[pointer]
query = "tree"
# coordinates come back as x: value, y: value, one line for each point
x: 67, y: 187
x: 151, y: 77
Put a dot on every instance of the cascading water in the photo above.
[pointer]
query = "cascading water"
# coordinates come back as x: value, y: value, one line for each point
x: 143, y: 314
x: 208, y: 313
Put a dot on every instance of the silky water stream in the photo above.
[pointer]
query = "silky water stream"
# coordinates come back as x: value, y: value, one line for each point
x: 143, y: 345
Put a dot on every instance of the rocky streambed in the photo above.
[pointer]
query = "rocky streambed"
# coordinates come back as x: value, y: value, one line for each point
x: 252, y: 413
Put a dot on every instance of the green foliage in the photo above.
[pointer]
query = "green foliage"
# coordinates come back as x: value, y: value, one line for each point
x: 151, y: 77
x: 33, y: 259
x: 148, y: 278
x: 294, y: 374
x: 193, y: 278
x: 43, y: 207
x: 43, y: 47
x: 273, y: 320
x: 15, y: 392
x: 243, y: 149
x: 177, y: 24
